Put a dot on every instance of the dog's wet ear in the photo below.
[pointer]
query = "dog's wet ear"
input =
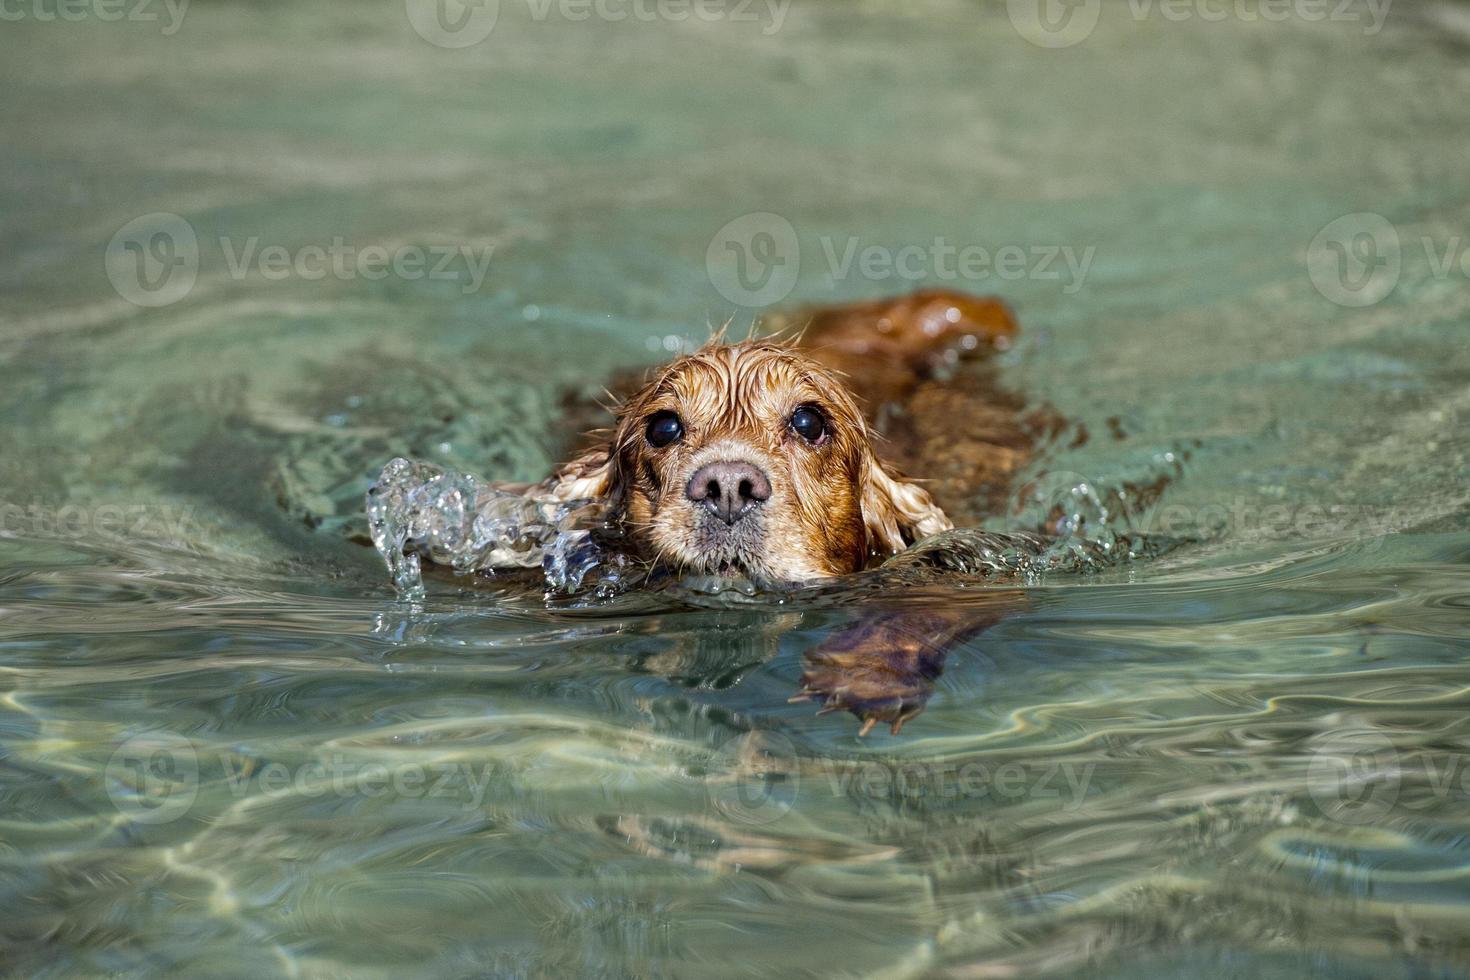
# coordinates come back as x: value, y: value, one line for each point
x: 896, y: 512
x: 591, y: 476
x: 597, y: 473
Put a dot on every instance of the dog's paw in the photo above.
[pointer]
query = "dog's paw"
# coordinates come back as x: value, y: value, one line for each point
x: 891, y: 686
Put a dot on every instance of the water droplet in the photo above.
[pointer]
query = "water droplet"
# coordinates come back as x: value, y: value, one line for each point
x: 418, y: 510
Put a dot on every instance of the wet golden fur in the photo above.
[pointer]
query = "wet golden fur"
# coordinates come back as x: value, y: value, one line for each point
x: 837, y: 505
x: 834, y: 505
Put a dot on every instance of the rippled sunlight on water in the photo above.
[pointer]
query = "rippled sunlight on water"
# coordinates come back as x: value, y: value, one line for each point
x: 227, y: 748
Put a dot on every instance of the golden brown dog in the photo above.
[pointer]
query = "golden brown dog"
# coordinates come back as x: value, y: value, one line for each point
x: 779, y: 459
x: 753, y: 457
x: 761, y: 456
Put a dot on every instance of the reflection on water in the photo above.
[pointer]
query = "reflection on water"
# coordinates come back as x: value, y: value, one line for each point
x: 227, y: 747
x: 1266, y: 764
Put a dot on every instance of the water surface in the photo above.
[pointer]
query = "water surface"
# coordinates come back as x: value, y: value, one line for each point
x: 227, y: 748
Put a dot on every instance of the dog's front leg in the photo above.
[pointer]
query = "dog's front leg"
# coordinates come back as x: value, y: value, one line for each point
x: 883, y: 667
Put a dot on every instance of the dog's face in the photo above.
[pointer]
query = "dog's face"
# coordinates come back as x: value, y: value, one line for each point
x: 751, y: 457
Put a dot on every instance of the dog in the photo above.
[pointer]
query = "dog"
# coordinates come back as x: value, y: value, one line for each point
x: 784, y: 458
x: 763, y: 456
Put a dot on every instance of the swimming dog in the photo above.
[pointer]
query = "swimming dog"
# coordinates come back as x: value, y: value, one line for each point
x: 786, y: 460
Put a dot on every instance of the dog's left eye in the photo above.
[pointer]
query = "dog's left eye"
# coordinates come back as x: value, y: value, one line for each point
x: 808, y: 423
x: 663, y: 429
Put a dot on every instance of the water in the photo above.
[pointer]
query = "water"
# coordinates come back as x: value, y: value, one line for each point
x: 228, y: 747
x: 461, y: 523
x: 418, y: 512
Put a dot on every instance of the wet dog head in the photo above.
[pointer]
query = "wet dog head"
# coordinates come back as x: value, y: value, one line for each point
x: 751, y: 457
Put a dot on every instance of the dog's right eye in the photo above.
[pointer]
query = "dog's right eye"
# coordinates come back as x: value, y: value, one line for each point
x: 664, y: 428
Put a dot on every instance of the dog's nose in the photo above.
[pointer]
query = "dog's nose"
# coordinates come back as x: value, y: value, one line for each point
x: 728, y: 489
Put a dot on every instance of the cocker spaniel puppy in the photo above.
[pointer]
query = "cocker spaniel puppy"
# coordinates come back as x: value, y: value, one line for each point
x: 753, y: 458
x: 780, y: 460
x: 764, y: 457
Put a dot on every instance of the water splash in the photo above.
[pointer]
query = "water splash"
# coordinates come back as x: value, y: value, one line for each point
x: 1081, y: 526
x: 1020, y: 557
x: 418, y: 510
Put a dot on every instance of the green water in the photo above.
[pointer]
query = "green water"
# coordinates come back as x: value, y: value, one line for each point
x: 226, y: 749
